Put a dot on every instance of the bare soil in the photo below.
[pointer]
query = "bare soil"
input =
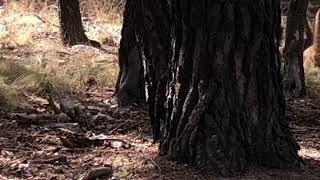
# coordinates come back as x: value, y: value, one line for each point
x: 30, y: 151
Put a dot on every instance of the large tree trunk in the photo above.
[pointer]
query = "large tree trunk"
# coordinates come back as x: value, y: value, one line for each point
x: 215, y: 91
x: 294, y: 79
x: 130, y: 87
x: 71, y: 29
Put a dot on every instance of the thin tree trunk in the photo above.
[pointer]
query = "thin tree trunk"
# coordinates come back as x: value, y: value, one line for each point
x: 223, y: 107
x: 71, y: 29
x: 294, y: 79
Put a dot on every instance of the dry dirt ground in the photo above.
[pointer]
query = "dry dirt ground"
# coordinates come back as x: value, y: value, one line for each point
x: 34, y: 149
x: 37, y: 143
x: 31, y: 145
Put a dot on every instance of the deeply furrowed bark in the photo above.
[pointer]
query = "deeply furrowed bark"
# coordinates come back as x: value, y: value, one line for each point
x: 156, y: 53
x: 214, y: 85
x: 294, y: 79
x: 223, y: 107
x: 71, y: 29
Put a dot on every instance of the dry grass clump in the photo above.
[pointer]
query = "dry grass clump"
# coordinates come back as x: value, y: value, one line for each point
x: 66, y: 75
x: 313, y: 82
x: 25, y: 21
x: 31, y: 53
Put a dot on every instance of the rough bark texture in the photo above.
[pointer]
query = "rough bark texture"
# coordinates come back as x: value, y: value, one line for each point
x: 214, y: 85
x: 294, y: 79
x: 130, y: 87
x: 218, y: 102
x: 156, y: 53
x: 71, y: 29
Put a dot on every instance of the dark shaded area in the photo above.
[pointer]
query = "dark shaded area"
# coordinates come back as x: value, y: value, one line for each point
x: 223, y: 106
x: 157, y: 53
x: 130, y: 87
x: 294, y: 78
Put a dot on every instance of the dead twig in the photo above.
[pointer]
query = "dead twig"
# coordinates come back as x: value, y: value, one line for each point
x: 56, y: 160
x: 37, y: 119
x: 74, y: 140
x: 118, y: 127
x: 45, y: 22
x: 94, y: 173
x: 157, y: 166
x: 131, y: 127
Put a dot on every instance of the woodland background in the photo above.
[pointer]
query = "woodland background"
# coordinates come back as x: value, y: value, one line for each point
x: 36, y: 68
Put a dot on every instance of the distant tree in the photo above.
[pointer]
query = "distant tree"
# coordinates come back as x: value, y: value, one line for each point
x: 294, y: 78
x: 214, y: 86
x: 71, y: 29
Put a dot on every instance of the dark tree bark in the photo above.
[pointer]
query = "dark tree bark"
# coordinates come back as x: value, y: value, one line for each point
x: 294, y: 78
x: 214, y: 83
x: 157, y: 50
x: 130, y: 87
x: 71, y: 29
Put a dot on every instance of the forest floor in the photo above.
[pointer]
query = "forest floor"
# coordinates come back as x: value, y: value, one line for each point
x: 38, y: 143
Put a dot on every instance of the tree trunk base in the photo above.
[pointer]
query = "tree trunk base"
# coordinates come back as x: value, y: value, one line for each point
x: 223, y: 107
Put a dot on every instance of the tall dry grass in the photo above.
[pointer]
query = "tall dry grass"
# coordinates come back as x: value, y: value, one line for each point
x: 31, y: 53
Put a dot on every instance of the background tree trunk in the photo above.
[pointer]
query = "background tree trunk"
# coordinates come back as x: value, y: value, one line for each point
x: 294, y: 79
x: 312, y: 9
x: 223, y: 106
x: 130, y: 87
x: 71, y: 29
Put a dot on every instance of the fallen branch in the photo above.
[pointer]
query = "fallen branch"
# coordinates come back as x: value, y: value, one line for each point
x: 45, y: 22
x: 118, y: 127
x: 156, y: 165
x: 74, y: 140
x: 56, y: 160
x: 74, y: 127
x: 129, y: 128
x: 37, y: 119
x: 97, y: 172
x: 101, y: 117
